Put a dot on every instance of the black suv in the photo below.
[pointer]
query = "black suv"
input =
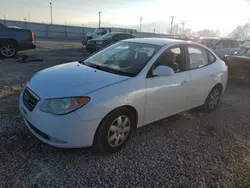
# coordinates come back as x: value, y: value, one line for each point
x: 109, y: 38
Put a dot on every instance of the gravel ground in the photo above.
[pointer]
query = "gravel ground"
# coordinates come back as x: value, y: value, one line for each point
x: 190, y: 149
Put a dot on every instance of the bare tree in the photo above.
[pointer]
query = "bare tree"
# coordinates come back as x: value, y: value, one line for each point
x: 208, y: 33
x: 241, y: 32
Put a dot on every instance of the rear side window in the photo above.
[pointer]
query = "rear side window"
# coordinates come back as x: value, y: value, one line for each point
x: 197, y: 57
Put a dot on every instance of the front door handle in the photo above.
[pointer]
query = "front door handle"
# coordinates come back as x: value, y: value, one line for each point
x: 184, y: 82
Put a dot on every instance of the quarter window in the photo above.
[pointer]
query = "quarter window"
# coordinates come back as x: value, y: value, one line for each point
x: 211, y: 57
x: 197, y: 57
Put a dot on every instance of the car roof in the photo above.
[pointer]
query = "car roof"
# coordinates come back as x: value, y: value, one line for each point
x: 159, y: 41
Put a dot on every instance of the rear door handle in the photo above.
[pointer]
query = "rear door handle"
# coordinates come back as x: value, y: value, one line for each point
x: 184, y: 82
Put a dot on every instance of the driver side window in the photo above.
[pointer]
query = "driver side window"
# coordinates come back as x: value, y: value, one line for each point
x: 172, y: 57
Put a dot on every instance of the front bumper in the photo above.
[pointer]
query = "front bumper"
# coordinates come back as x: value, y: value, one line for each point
x: 65, y: 131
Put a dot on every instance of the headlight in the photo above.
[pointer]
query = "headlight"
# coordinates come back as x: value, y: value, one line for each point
x: 99, y: 42
x: 62, y: 106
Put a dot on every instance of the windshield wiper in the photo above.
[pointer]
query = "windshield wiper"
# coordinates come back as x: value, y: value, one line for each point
x: 107, y: 69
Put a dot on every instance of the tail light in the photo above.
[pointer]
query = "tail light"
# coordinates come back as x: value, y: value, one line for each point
x: 32, y: 36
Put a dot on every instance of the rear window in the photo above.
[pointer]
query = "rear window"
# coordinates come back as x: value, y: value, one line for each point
x: 208, y: 42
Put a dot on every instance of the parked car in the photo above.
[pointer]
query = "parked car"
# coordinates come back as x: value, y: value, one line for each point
x: 239, y: 63
x: 220, y: 46
x: 245, y: 43
x: 101, y: 100
x: 225, y: 46
x: 208, y: 41
x: 96, y: 44
x: 100, y: 31
x: 13, y: 39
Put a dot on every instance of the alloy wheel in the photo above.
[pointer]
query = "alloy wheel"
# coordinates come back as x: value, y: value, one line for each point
x: 118, y: 131
x: 214, y: 98
x: 7, y: 50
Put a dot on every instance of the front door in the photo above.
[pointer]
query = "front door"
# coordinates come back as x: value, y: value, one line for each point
x: 166, y: 96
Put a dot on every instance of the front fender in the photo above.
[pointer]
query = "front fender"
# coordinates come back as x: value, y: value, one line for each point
x: 130, y: 92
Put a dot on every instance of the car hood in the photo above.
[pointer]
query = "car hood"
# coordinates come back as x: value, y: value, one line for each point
x: 70, y: 79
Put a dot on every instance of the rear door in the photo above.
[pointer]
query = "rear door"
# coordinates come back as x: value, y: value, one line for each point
x: 201, y: 67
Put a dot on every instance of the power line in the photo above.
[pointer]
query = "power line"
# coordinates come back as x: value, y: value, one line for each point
x: 172, y: 22
x: 140, y: 22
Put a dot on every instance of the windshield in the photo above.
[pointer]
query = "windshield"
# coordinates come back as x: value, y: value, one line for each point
x: 107, y: 36
x: 98, y: 31
x: 208, y: 42
x: 243, y: 52
x: 125, y: 58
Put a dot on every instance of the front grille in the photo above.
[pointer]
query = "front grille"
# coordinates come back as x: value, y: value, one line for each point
x: 29, y: 100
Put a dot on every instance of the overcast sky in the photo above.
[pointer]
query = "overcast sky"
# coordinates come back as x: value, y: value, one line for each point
x: 199, y: 14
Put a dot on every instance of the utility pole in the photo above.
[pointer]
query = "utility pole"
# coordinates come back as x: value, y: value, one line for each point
x: 51, y: 13
x: 140, y: 22
x: 183, y: 25
x: 4, y: 17
x: 154, y: 30
x: 29, y: 17
x: 100, y: 18
x: 172, y: 22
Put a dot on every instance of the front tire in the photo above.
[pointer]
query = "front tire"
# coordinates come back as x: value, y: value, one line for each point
x: 213, y: 99
x: 8, y: 49
x: 115, y: 130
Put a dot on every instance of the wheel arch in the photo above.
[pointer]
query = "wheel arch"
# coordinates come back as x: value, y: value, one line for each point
x: 2, y: 41
x: 131, y: 108
x: 219, y: 85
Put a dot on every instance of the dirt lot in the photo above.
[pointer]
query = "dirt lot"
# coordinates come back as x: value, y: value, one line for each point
x: 190, y: 149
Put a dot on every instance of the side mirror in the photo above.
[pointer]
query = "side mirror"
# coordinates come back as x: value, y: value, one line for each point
x: 163, y: 71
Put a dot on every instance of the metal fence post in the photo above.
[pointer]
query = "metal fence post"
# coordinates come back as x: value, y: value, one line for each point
x: 83, y: 30
x: 65, y: 31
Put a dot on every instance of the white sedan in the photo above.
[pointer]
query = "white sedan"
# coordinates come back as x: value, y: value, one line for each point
x: 101, y: 100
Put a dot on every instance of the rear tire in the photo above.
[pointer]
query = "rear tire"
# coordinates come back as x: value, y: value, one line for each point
x: 115, y: 130
x: 213, y: 99
x: 8, y: 49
